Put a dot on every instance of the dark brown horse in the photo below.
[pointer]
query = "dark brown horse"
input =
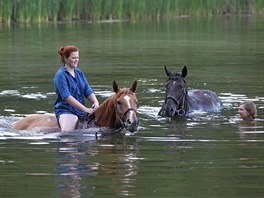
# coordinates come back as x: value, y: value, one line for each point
x: 119, y: 111
x: 179, y: 101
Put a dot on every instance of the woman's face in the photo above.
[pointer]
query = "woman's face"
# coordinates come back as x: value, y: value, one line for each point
x: 72, y: 60
x: 243, y: 112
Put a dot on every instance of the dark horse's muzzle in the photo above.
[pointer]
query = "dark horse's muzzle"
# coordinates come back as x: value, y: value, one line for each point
x: 179, y: 112
x: 172, y: 111
x: 172, y: 107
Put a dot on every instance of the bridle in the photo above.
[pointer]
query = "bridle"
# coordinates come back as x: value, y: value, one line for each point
x: 183, y: 108
x: 122, y: 117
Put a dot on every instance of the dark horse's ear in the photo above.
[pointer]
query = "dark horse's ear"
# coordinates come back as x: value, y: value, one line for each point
x: 133, y: 88
x: 115, y: 86
x: 184, y: 72
x: 167, y: 71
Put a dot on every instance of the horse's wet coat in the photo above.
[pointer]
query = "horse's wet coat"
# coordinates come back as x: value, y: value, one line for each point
x: 181, y: 101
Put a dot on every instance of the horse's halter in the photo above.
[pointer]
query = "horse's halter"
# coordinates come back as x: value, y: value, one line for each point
x: 121, y: 117
x: 181, y: 101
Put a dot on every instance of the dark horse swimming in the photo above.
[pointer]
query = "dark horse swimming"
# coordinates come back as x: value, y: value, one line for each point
x: 117, y: 112
x: 179, y: 101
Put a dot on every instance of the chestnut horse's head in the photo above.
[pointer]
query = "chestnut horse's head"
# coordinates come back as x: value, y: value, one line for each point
x: 126, y: 106
x: 120, y: 109
x: 176, y: 93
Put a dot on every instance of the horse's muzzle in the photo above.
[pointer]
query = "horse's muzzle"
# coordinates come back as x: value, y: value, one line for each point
x: 132, y: 126
x: 180, y: 112
x: 171, y: 112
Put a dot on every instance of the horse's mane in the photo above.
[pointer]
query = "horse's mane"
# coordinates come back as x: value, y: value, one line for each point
x: 105, y: 115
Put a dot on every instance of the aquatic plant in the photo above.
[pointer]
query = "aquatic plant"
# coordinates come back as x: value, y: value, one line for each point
x: 68, y: 10
x: 6, y: 11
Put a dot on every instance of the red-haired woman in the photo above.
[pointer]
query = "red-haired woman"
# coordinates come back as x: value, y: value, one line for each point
x: 72, y: 88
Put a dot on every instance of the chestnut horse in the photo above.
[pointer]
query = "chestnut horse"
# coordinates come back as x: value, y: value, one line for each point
x: 117, y: 112
x: 179, y: 101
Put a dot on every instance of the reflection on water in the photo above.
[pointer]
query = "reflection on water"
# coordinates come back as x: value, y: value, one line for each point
x: 79, y: 163
x: 70, y: 168
x: 250, y: 129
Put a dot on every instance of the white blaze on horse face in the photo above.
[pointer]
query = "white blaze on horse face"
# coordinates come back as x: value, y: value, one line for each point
x: 130, y: 113
x: 127, y: 98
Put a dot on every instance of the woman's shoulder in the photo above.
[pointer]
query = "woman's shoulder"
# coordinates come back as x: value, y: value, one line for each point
x: 61, y: 71
x: 61, y: 68
x: 78, y: 70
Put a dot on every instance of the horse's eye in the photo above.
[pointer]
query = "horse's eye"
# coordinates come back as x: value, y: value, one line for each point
x: 180, y: 87
x: 118, y: 103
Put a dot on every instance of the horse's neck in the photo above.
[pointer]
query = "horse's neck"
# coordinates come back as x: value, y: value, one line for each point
x: 105, y: 115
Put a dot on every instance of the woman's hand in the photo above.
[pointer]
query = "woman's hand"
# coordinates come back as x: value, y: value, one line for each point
x: 93, y: 100
x: 90, y: 110
x: 95, y: 105
x: 71, y: 100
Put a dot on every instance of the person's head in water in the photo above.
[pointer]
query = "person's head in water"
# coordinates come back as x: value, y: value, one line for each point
x: 247, y: 110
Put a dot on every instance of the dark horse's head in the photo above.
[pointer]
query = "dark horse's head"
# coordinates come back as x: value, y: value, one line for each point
x: 176, y: 94
x: 119, y: 110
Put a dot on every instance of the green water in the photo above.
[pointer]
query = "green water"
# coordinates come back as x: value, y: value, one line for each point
x: 210, y: 156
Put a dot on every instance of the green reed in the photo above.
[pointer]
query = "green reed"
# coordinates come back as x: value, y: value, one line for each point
x: 67, y: 10
x: 6, y: 10
x: 258, y: 7
x: 54, y: 10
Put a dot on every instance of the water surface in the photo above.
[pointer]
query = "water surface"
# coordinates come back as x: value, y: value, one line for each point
x: 212, y: 155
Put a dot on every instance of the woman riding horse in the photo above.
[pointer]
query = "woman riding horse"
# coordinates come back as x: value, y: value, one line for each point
x: 119, y: 111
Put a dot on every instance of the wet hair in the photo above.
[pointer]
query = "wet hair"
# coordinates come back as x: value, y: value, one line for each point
x: 66, y: 51
x: 251, y: 109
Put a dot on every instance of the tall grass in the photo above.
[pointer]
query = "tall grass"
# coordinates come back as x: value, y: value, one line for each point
x: 67, y: 10
x: 6, y: 11
x: 54, y: 10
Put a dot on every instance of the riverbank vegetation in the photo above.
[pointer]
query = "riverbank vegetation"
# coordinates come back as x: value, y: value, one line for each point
x: 27, y: 11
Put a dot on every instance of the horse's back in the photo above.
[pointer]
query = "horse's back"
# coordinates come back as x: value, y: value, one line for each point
x: 203, y: 100
x: 42, y: 122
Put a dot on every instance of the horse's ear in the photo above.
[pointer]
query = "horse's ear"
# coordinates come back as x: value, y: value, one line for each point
x: 133, y: 88
x: 167, y: 71
x: 184, y: 72
x: 115, y: 86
